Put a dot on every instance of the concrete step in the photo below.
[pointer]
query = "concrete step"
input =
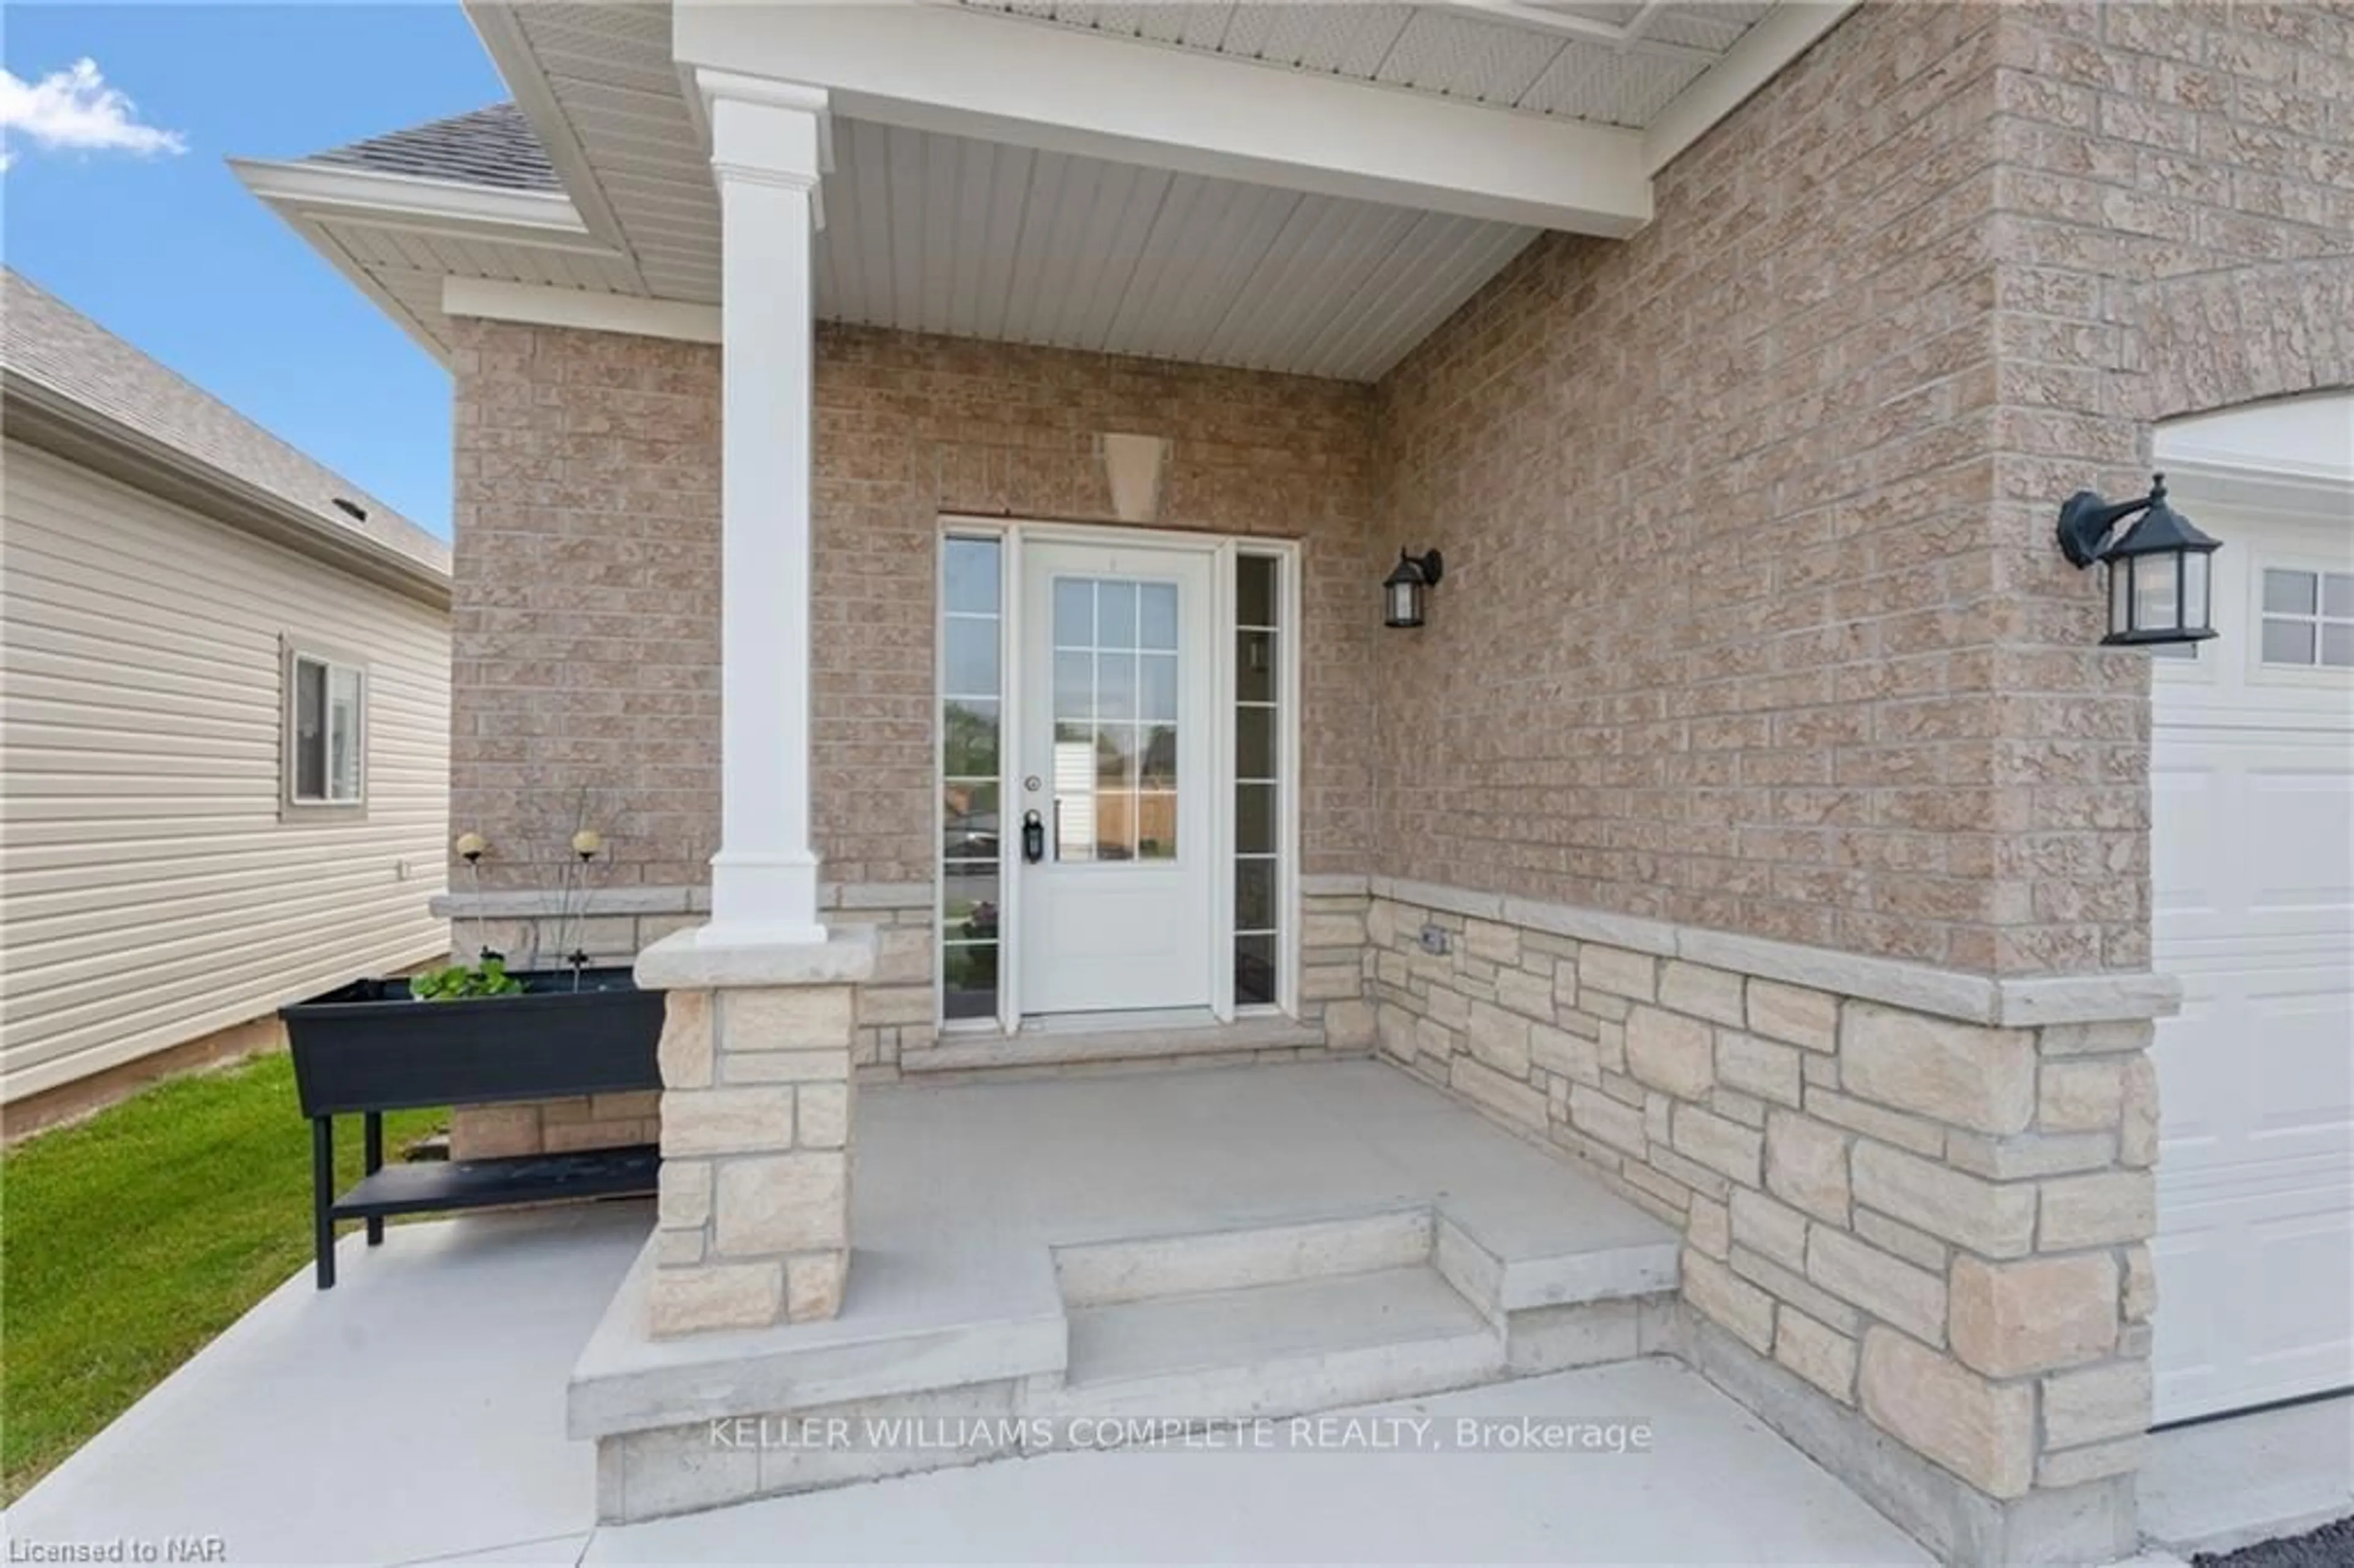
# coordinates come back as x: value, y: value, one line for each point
x: 1278, y: 1350
x: 1107, y: 1273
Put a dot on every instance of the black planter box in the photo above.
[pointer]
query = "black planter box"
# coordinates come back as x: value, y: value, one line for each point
x: 371, y: 1045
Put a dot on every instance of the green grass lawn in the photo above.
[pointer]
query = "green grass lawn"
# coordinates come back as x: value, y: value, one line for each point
x: 128, y: 1241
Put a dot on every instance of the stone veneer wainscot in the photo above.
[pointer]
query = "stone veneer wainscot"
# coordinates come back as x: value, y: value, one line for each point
x: 1927, y: 1227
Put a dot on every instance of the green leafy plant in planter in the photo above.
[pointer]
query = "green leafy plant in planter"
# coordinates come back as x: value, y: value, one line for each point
x: 462, y: 982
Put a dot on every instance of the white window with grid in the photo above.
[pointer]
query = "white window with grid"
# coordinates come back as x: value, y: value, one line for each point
x: 2308, y: 619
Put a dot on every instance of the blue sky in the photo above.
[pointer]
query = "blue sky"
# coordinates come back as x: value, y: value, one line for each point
x: 169, y: 252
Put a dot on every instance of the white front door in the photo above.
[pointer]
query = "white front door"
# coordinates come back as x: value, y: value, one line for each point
x: 2252, y: 823
x: 1115, y: 767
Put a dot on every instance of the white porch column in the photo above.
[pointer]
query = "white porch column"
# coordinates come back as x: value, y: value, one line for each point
x: 760, y: 1021
x: 768, y: 151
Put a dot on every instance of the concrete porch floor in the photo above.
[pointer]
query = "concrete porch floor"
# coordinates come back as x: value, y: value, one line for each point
x: 415, y: 1414
x: 987, y: 1216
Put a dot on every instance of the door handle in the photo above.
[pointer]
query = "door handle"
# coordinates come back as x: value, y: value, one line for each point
x: 1033, y: 836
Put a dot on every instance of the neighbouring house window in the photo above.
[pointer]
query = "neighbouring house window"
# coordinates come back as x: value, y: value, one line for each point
x: 325, y: 730
x: 1259, y: 761
x: 971, y: 711
x: 2309, y: 619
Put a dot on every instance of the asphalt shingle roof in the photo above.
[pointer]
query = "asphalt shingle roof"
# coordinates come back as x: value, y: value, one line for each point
x: 491, y: 146
x: 44, y: 340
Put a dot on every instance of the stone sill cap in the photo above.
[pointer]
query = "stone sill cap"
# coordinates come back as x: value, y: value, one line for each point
x: 2005, y: 1001
x: 541, y: 903
x: 719, y: 958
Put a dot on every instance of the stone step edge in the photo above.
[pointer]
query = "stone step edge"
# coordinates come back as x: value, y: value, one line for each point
x: 1141, y: 1268
x: 1303, y: 1383
x: 1499, y: 1286
x: 1440, y: 1335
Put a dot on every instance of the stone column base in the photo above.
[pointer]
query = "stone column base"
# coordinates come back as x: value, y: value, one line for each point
x: 754, y: 1222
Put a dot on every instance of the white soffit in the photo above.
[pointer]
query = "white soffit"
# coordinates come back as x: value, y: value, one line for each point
x: 398, y: 238
x: 932, y: 232
x: 936, y: 233
x: 1607, y: 63
x: 972, y: 235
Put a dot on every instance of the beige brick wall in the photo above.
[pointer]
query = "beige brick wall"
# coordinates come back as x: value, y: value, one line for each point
x: 1753, y: 617
x: 587, y: 572
x: 585, y: 603
x: 1940, y: 1226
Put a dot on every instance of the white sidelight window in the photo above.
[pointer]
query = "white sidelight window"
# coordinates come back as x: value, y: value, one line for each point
x: 1260, y: 727
x: 972, y: 685
x: 325, y: 730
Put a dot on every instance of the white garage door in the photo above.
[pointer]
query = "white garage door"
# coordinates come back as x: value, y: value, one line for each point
x: 2253, y: 872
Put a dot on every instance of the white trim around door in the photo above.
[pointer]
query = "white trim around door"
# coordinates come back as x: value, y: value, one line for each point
x: 1239, y: 688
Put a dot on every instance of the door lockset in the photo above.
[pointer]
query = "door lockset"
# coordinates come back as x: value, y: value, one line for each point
x: 1033, y: 837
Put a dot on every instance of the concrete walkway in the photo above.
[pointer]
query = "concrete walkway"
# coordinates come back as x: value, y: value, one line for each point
x: 415, y: 1414
x: 1716, y: 1487
x: 415, y: 1411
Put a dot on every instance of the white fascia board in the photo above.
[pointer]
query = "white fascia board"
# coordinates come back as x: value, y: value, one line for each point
x: 947, y: 70
x: 2307, y: 494
x: 425, y: 206
x: 540, y: 305
x: 1781, y: 36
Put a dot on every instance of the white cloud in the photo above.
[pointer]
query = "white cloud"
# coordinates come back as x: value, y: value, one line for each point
x: 74, y: 108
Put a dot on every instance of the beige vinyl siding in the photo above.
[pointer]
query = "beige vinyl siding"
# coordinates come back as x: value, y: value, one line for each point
x: 151, y: 890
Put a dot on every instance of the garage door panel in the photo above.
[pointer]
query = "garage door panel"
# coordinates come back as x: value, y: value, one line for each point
x: 2250, y: 845
x: 2301, y: 865
x: 2189, y: 1257
x: 2196, y: 1076
x: 2257, y: 1068
x: 2252, y: 1303
x: 2302, y: 1264
x: 2304, y: 1073
x: 2188, y: 809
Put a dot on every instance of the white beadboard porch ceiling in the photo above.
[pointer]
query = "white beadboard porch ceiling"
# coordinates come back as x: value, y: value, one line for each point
x: 931, y: 232
x: 1611, y: 62
x: 926, y: 230
x: 936, y: 233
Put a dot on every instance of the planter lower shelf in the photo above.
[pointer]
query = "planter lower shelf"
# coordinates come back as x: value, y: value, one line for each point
x: 434, y: 1186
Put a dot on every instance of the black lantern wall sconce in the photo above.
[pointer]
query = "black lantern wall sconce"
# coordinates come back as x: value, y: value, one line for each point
x: 1407, y: 586
x: 2160, y: 589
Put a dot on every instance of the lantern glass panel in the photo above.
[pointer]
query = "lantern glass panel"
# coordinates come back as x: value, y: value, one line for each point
x: 2120, y: 597
x: 2195, y: 613
x: 1403, y: 611
x: 2154, y: 591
